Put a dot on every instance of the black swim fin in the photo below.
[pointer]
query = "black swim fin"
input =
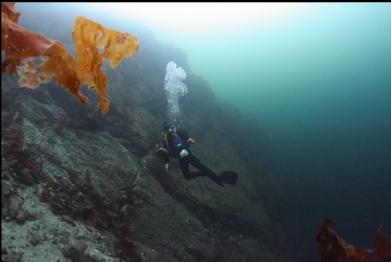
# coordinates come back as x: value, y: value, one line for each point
x: 229, y: 177
x: 216, y: 179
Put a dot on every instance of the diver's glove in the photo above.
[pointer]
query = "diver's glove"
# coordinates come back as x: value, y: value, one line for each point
x: 191, y: 140
x: 183, y: 153
x: 166, y: 166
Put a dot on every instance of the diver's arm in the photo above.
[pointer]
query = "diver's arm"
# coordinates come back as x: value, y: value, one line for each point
x: 163, y: 150
x: 182, y: 133
x: 166, y: 154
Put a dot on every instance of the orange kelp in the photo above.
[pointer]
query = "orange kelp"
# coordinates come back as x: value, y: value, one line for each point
x: 333, y: 248
x: 93, y: 42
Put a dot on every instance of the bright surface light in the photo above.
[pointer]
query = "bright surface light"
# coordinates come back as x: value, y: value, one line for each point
x: 204, y: 17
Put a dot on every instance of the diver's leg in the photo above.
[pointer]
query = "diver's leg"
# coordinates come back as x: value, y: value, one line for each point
x: 197, y: 163
x: 184, y: 163
x: 204, y: 170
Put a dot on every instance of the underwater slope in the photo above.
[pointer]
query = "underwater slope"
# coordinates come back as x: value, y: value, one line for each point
x: 77, y: 186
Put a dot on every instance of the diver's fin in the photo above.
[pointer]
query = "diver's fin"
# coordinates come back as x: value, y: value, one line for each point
x: 229, y: 177
x: 216, y: 179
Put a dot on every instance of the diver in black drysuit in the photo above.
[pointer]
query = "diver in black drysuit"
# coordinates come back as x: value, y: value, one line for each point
x: 176, y: 144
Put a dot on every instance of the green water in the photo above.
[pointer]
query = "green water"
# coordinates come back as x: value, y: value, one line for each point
x: 320, y: 82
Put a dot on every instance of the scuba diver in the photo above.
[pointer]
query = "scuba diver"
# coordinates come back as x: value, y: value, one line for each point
x: 175, y: 143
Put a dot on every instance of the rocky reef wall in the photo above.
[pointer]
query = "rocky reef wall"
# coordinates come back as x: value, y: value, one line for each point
x: 77, y: 186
